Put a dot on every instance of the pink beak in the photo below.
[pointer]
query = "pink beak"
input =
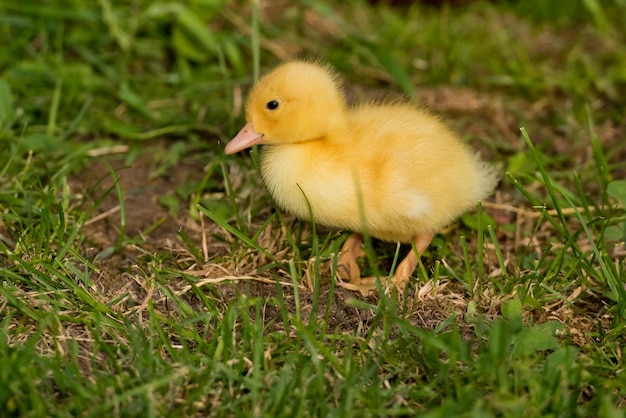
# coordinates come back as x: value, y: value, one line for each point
x: 246, y: 138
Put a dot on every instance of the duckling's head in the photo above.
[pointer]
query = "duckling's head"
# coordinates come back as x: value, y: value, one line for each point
x: 298, y: 101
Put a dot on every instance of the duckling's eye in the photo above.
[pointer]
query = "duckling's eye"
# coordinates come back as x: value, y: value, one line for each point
x: 272, y: 105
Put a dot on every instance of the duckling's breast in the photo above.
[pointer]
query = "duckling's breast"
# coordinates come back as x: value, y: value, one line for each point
x: 304, y: 180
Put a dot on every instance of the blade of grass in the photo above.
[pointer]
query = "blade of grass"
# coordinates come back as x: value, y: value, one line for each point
x: 54, y: 107
x: 501, y: 263
x: 546, y: 180
x: 229, y: 191
x: 295, y: 278
x: 121, y: 240
x: 479, y: 244
x: 255, y: 41
x: 537, y: 204
x: 222, y: 223
x: 602, y: 165
x: 617, y: 287
x: 195, y: 251
x: 469, y: 275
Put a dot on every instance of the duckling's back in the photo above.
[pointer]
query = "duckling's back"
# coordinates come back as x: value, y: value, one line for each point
x: 414, y: 173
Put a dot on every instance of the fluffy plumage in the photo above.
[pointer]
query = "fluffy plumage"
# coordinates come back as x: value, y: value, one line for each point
x: 390, y: 170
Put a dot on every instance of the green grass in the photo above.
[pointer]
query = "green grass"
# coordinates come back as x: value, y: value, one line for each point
x: 144, y: 273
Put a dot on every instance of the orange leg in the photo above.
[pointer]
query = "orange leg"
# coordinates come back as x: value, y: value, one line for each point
x: 350, y: 274
x: 347, y: 266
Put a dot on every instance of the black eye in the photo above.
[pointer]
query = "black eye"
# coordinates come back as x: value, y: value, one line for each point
x: 272, y: 105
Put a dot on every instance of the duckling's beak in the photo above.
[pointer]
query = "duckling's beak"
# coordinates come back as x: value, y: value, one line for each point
x: 246, y: 138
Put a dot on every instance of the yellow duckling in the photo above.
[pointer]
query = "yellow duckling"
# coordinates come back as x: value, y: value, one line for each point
x: 388, y: 170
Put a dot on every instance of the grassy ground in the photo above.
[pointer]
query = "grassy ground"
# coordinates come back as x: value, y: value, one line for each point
x: 143, y: 273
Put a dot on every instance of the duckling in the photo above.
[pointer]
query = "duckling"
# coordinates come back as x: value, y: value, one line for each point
x: 389, y: 170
